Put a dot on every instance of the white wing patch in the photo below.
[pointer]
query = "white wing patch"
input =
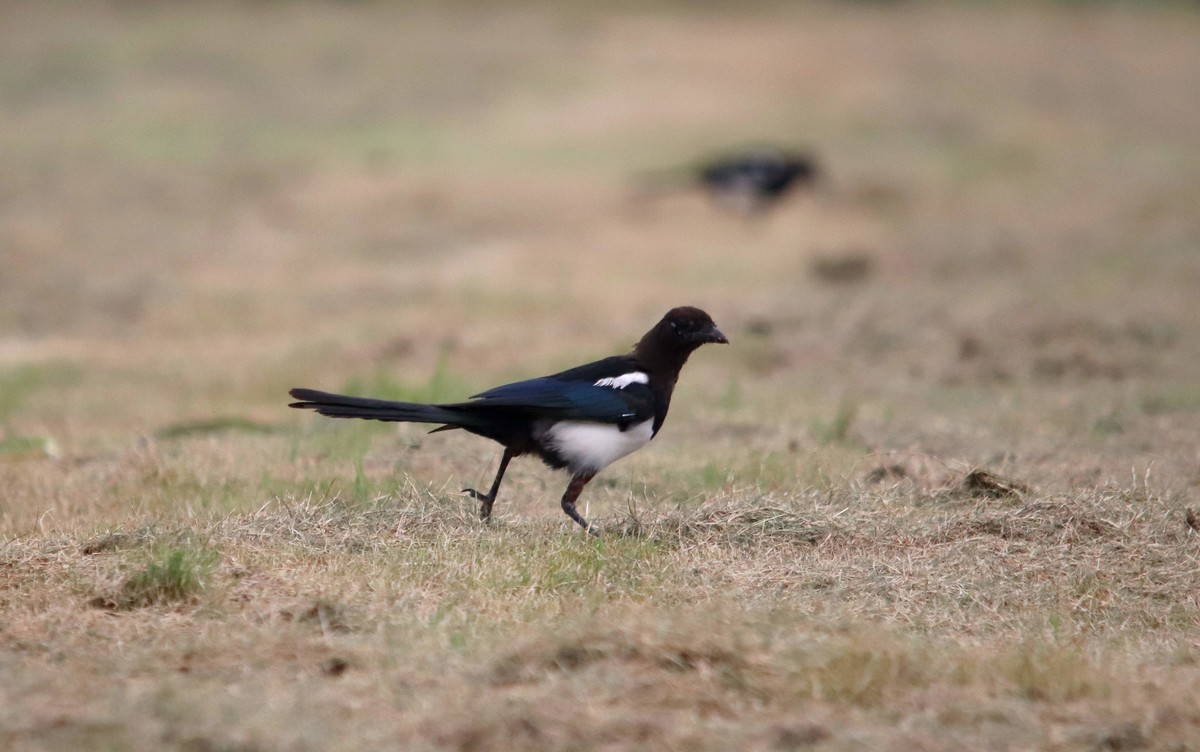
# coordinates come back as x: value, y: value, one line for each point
x: 624, y: 380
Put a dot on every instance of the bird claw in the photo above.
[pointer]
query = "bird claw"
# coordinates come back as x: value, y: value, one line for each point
x: 478, y: 496
x: 485, y: 509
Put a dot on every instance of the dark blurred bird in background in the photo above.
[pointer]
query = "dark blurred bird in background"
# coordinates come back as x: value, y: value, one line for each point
x: 748, y: 181
x: 582, y: 419
x: 755, y: 179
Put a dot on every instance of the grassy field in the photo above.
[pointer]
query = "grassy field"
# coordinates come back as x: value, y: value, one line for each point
x: 940, y: 506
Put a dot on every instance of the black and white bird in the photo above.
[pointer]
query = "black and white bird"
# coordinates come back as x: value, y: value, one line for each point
x: 747, y: 181
x: 754, y: 179
x: 581, y: 420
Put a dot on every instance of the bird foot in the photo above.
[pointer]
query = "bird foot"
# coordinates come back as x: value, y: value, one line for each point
x: 486, y: 501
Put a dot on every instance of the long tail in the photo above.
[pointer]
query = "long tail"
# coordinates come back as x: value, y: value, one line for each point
x: 341, y: 406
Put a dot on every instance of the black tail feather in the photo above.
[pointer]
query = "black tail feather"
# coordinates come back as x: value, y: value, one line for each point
x: 343, y: 406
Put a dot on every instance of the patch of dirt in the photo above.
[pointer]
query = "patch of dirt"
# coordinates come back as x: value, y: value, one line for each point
x: 1080, y: 348
x: 577, y: 654
x: 1039, y: 522
x: 888, y: 473
x: 991, y: 485
x: 329, y: 616
x: 1122, y: 738
x: 800, y: 736
x: 843, y: 267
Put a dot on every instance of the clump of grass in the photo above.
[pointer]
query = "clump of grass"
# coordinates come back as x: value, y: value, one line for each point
x: 1171, y: 400
x: 29, y: 446
x: 733, y: 524
x: 679, y: 650
x: 17, y: 385
x: 837, y: 430
x: 980, y: 482
x: 176, y: 573
x: 1052, y: 673
x: 864, y: 672
x: 330, y: 615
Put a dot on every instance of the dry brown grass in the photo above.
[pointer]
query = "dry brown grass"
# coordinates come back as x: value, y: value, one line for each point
x: 945, y: 504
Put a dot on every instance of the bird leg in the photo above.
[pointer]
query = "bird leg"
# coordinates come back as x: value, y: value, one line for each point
x: 571, y: 494
x: 485, y: 508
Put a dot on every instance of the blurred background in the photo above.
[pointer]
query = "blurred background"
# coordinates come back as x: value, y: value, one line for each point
x: 995, y: 261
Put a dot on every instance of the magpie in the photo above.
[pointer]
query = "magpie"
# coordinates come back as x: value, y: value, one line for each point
x: 748, y: 181
x: 581, y: 420
x: 756, y: 178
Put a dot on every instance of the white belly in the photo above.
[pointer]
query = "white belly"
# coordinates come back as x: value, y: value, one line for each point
x: 590, y: 447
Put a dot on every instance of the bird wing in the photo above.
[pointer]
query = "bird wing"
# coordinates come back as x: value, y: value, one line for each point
x: 607, y: 391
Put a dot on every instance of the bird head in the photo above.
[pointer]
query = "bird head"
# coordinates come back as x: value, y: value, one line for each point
x: 666, y: 347
x: 692, y: 326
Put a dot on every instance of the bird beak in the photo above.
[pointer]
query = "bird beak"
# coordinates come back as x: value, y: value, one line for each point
x: 714, y: 335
